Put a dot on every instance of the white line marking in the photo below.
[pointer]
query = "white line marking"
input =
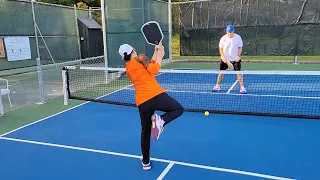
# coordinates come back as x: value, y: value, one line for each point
x: 59, y: 113
x: 233, y: 85
x: 165, y: 171
x: 154, y: 159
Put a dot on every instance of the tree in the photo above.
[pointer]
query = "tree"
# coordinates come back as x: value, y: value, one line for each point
x: 90, y: 3
x: 82, y: 5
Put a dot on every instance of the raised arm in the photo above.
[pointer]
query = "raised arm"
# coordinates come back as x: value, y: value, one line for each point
x: 155, y: 65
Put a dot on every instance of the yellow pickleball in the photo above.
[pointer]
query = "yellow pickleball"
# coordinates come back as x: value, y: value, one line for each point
x: 206, y: 113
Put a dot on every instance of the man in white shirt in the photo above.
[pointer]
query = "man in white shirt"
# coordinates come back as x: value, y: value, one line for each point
x: 230, y: 48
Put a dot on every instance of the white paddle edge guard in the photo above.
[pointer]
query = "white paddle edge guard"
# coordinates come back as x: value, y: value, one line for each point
x: 149, y: 22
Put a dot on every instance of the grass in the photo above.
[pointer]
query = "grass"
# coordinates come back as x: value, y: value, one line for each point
x: 176, y: 46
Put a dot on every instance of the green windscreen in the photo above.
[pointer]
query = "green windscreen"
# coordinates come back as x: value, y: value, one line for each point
x: 124, y: 19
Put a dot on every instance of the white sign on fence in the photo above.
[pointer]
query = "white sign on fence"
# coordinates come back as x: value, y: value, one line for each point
x: 18, y: 48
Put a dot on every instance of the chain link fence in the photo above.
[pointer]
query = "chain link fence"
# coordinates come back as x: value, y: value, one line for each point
x: 51, y: 29
x: 54, y: 38
x: 286, y: 28
x: 25, y: 86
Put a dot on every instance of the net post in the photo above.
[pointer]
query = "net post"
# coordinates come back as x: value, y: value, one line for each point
x: 170, y: 29
x: 40, y: 75
x: 64, y: 86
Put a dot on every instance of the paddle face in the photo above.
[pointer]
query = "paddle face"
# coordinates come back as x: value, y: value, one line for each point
x: 152, y: 32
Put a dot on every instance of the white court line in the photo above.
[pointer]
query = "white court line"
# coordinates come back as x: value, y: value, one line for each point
x: 233, y: 85
x: 60, y: 112
x: 154, y: 159
x: 165, y: 171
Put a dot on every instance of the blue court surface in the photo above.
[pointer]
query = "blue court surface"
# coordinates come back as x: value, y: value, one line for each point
x: 102, y: 141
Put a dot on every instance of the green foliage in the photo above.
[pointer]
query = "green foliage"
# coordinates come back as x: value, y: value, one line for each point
x: 61, y: 2
x: 82, y: 5
x: 176, y: 45
x: 90, y: 3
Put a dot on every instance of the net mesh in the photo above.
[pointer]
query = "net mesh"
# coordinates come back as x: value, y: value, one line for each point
x: 273, y: 93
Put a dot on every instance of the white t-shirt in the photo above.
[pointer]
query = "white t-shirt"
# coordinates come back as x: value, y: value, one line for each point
x: 230, y: 46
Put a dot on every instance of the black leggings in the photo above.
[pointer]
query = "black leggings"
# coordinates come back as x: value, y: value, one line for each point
x: 162, y: 102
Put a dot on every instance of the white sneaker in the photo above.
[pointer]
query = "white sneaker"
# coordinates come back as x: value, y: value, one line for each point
x: 243, y: 90
x: 157, y: 126
x: 216, y: 88
x: 146, y: 166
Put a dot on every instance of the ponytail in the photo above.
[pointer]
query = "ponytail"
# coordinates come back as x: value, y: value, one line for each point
x: 126, y: 57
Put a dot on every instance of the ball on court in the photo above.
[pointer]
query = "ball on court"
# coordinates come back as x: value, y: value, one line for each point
x: 206, y: 113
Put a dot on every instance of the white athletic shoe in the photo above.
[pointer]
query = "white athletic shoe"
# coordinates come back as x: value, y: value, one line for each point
x: 243, y: 90
x: 157, y: 126
x: 146, y: 166
x: 216, y: 88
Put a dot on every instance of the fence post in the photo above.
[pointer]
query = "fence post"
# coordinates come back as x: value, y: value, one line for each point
x: 35, y: 28
x: 90, y: 12
x: 104, y: 35
x: 295, y: 61
x: 77, y: 29
x: 1, y: 106
x: 39, y: 68
x: 170, y: 29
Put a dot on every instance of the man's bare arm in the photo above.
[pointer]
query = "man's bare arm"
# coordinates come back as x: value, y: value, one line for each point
x: 239, y: 54
x: 222, y: 55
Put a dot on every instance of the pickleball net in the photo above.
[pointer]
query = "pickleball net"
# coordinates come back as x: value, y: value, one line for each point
x: 269, y: 93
